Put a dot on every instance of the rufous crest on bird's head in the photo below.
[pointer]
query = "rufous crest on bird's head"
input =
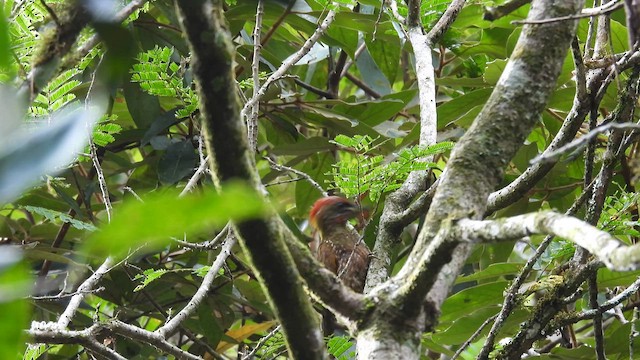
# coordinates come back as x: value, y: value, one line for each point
x: 330, y: 211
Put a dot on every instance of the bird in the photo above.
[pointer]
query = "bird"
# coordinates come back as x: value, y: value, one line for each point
x: 337, y: 245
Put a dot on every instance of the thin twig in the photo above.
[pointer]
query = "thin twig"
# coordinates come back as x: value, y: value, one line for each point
x: 172, y: 325
x: 193, y: 181
x: 473, y: 337
x: 582, y: 141
x: 63, y: 296
x: 207, y: 245
x: 320, y: 30
x: 445, y: 21
x: 252, y: 120
x: 82, y: 290
x: 261, y: 342
x: 601, y: 10
x: 278, y: 167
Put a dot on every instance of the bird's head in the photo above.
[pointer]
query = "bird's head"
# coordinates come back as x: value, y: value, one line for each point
x: 332, y: 211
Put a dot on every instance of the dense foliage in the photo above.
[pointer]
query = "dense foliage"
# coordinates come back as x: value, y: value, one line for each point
x: 344, y: 119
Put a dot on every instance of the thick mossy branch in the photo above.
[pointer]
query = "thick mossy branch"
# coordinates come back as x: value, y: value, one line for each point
x: 56, y: 42
x: 549, y: 305
x: 477, y: 163
x: 225, y: 133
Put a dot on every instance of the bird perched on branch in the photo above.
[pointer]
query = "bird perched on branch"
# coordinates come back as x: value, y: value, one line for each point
x: 337, y: 244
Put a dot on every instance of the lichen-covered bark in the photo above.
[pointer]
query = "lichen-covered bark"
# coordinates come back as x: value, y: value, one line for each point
x: 225, y: 134
x: 477, y: 163
x: 56, y: 43
x: 474, y: 170
x: 547, y: 308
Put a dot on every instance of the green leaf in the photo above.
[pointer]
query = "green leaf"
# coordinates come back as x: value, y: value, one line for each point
x: 148, y: 276
x: 178, y: 161
x: 580, y: 353
x: 308, y: 146
x: 371, y: 73
x: 463, y: 327
x: 144, y: 108
x: 492, y: 271
x: 5, y: 52
x: 493, y: 71
x: 34, y: 352
x: 44, y: 151
x: 202, y: 271
x: 338, y: 347
x: 454, y: 109
x: 386, y: 55
x: 476, y: 297
x: 163, y: 215
x: 53, y: 215
x: 14, y: 308
x: 609, y: 278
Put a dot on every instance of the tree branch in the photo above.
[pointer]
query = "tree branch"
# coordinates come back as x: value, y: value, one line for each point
x: 43, y: 333
x: 445, y: 21
x: 395, y: 204
x: 609, y: 250
x: 292, y: 60
x: 172, y: 325
x: 477, y: 162
x: 81, y: 292
x: 225, y: 135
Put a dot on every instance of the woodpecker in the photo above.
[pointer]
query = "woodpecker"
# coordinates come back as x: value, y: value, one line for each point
x: 338, y: 245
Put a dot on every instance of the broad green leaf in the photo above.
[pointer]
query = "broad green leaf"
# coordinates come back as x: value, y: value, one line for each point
x: 305, y: 193
x: 51, y: 255
x: 209, y: 325
x: 492, y: 271
x: 178, y: 161
x: 471, y: 16
x: 158, y: 126
x: 308, y: 146
x: 163, y: 215
x: 617, y: 339
x: 144, y: 108
x: 462, y: 328
x: 372, y: 74
x: 608, y: 278
x: 493, y: 71
x: 454, y: 109
x: 34, y: 352
x: 477, y: 82
x: 15, y: 284
x: 53, y: 215
x: 562, y: 99
x: 582, y: 352
x: 493, y: 43
x: 386, y: 55
x: 5, y: 52
x: 23, y: 161
x: 347, y: 39
x: 372, y: 112
x: 476, y: 297
x: 619, y: 37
